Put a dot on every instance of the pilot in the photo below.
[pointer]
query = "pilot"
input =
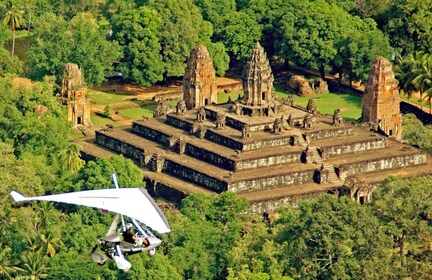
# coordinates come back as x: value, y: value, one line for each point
x: 129, y: 236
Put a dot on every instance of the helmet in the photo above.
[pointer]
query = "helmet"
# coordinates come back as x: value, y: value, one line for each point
x: 128, y: 226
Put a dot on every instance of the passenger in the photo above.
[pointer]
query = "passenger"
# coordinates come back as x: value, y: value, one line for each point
x: 129, y: 236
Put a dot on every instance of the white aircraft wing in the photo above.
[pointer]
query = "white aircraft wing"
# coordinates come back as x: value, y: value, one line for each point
x: 132, y: 202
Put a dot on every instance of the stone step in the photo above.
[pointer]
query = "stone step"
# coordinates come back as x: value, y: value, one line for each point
x: 396, y: 155
x: 169, y: 187
x: 234, y: 159
x: 91, y: 151
x: 267, y: 200
x: 357, y: 142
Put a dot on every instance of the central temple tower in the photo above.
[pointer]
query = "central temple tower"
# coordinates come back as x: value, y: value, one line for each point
x: 259, y: 98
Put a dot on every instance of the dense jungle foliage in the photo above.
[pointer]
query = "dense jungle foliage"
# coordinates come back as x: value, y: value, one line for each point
x: 212, y: 237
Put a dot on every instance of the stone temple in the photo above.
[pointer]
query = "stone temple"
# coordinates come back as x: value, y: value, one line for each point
x: 263, y: 148
x: 74, y: 95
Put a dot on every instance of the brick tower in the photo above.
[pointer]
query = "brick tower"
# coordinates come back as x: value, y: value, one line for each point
x: 381, y: 102
x: 199, y: 82
x: 74, y: 95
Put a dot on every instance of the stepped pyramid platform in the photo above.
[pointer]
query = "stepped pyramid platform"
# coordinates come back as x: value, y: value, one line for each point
x: 263, y: 148
x: 180, y: 155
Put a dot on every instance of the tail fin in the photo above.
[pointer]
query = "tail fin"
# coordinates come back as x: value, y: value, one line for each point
x: 17, y: 196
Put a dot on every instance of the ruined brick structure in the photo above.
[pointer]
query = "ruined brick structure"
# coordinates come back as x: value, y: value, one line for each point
x: 381, y: 102
x: 270, y: 160
x: 199, y: 82
x: 74, y: 95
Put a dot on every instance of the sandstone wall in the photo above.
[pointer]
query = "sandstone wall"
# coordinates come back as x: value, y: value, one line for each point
x: 268, y: 161
x: 194, y: 176
x: 393, y: 162
x: 150, y: 133
x: 360, y: 146
x: 270, y: 205
x: 329, y: 133
x: 173, y: 120
x: 296, y: 177
x: 210, y: 157
x: 129, y: 150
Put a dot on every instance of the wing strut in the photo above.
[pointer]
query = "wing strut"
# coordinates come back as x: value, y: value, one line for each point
x: 114, y: 178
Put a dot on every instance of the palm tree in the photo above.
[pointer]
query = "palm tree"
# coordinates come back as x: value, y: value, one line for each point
x: 48, y: 243
x: 13, y: 18
x: 8, y: 266
x: 422, y: 78
x: 34, y: 265
x: 70, y: 158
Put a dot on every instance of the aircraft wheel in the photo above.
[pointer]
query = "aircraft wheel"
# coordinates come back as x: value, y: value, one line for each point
x: 152, y: 252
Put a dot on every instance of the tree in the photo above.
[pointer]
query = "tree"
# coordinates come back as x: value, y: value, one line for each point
x: 220, y: 58
x: 240, y: 34
x: 333, y: 238
x: 70, y: 158
x: 24, y: 127
x: 362, y: 42
x: 97, y: 174
x: 416, y: 133
x: 182, y: 29
x: 405, y: 209
x: 34, y: 265
x: 81, y: 41
x: 309, y: 33
x: 137, y: 32
x: 13, y: 18
x: 408, y: 36
x: 8, y: 265
x: 215, y: 12
x: 8, y: 64
x: 422, y: 78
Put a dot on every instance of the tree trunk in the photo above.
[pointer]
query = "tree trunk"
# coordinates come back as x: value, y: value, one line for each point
x: 286, y: 64
x: 322, y: 73
x: 13, y: 44
x: 340, y: 77
x: 421, y: 100
x: 430, y: 107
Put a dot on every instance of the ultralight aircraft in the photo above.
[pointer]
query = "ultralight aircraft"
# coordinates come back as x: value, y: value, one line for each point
x: 134, y: 203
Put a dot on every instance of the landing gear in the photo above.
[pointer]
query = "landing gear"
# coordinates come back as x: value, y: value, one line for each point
x: 152, y: 251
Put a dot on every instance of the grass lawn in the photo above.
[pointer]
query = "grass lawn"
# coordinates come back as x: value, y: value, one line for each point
x: 100, y: 97
x: 101, y: 122
x: 139, y: 113
x: 349, y: 104
x: 223, y: 97
x: 415, y: 100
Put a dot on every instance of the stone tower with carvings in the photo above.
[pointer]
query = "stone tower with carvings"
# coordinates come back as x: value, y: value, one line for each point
x: 199, y: 82
x: 74, y: 95
x: 258, y: 88
x: 381, y: 102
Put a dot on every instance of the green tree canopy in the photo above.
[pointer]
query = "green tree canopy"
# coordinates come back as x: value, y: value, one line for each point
x: 182, y: 29
x: 333, y: 238
x: 40, y: 132
x: 405, y: 210
x: 137, y: 32
x: 240, y: 34
x: 80, y: 41
x: 410, y: 35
